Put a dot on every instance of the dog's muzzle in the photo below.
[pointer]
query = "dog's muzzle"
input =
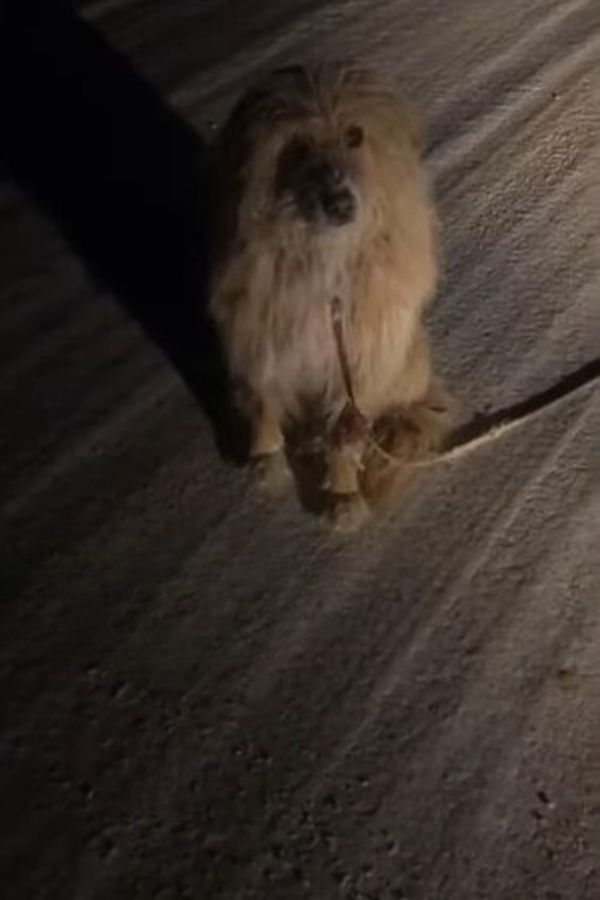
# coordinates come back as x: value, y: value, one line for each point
x: 333, y: 195
x: 339, y: 206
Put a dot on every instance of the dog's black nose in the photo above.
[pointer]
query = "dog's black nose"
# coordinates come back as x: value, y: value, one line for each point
x: 332, y: 196
x: 339, y: 206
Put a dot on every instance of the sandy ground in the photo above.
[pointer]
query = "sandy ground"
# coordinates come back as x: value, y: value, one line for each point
x: 207, y: 696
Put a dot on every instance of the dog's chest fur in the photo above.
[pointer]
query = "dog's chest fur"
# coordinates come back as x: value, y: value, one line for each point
x: 274, y: 308
x: 292, y: 294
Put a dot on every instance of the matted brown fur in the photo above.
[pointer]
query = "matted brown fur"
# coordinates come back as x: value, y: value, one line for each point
x: 321, y: 194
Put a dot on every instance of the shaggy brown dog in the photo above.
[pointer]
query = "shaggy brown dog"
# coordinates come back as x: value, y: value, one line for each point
x: 325, y: 213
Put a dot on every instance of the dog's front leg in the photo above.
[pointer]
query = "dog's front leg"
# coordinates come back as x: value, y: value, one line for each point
x: 347, y: 507
x: 267, y: 448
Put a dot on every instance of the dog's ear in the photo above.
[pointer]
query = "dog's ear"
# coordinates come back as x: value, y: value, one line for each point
x: 236, y: 138
x: 262, y: 103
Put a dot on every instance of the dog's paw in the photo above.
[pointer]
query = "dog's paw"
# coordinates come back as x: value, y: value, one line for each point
x: 272, y: 474
x: 348, y: 512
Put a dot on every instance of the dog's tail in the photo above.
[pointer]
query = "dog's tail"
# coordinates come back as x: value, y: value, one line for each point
x: 402, y: 439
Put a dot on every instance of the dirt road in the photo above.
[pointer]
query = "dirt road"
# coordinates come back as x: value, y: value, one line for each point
x: 208, y: 696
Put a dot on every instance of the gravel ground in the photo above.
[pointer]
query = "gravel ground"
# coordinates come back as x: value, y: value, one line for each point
x: 208, y: 696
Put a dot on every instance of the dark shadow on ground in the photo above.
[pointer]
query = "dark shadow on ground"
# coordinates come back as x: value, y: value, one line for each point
x: 123, y: 176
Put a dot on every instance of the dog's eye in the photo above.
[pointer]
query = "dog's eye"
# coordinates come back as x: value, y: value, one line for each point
x: 298, y: 150
x: 354, y: 137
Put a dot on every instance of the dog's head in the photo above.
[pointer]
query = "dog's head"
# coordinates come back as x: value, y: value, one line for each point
x: 316, y: 179
x: 317, y: 149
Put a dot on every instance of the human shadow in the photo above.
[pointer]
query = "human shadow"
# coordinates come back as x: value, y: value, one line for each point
x: 124, y: 178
